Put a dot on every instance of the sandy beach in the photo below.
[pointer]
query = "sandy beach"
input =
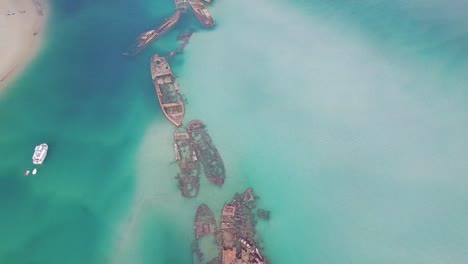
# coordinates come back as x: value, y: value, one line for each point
x: 21, y: 28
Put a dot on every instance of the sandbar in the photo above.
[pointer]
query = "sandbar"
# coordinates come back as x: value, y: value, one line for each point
x: 22, y: 24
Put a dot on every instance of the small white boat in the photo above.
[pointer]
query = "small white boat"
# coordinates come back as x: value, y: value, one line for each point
x: 34, y: 172
x: 26, y: 173
x: 40, y: 153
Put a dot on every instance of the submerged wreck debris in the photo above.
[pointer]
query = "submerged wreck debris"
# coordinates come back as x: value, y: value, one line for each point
x: 239, y: 241
x: 186, y: 35
x: 185, y: 38
x: 263, y: 214
x: 189, y: 185
x: 152, y: 35
x: 193, y: 144
x: 189, y: 176
x: 205, y: 223
x: 207, y: 152
x: 181, y: 5
x: 196, y: 250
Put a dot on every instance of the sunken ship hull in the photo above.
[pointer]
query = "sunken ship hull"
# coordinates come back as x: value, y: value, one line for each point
x: 150, y: 36
x: 205, y: 222
x: 167, y: 90
x: 205, y: 225
x: 238, y: 235
x: 207, y: 152
x: 189, y: 176
x: 201, y: 13
x: 189, y: 185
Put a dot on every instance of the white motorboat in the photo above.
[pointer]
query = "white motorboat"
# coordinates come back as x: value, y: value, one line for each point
x: 40, y: 153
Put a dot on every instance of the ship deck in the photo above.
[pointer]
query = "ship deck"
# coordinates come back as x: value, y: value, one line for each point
x: 205, y: 223
x: 209, y: 156
x: 167, y: 90
x: 189, y: 185
x: 202, y: 13
x: 169, y: 94
x: 147, y: 38
x: 238, y: 230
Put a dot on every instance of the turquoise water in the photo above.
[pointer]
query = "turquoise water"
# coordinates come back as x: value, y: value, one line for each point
x: 347, y: 118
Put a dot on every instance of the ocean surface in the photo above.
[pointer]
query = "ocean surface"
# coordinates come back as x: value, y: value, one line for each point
x: 348, y: 118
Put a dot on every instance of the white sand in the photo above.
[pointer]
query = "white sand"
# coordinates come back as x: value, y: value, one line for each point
x: 20, y: 36
x: 156, y: 191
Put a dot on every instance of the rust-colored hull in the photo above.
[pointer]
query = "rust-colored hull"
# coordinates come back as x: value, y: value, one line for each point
x: 201, y: 12
x: 207, y: 153
x: 205, y: 223
x: 189, y: 180
x: 149, y: 37
x: 175, y: 118
x: 167, y: 90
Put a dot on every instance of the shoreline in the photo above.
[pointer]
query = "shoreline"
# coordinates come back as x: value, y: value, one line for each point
x: 22, y: 24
